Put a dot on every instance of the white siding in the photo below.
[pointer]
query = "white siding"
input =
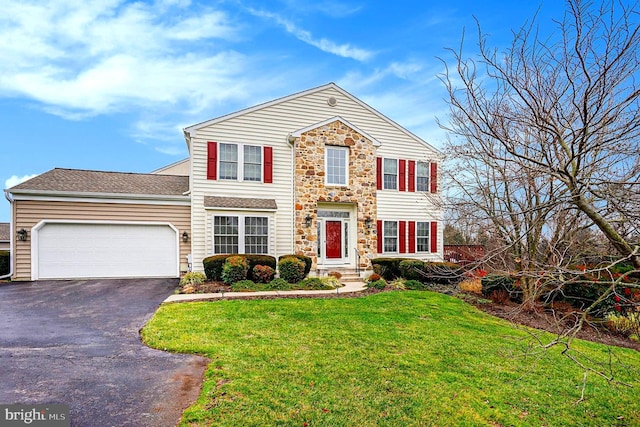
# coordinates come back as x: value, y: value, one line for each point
x: 270, y: 126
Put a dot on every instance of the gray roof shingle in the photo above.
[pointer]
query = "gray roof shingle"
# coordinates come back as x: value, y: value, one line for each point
x: 239, y: 203
x: 87, y: 181
x: 4, y: 232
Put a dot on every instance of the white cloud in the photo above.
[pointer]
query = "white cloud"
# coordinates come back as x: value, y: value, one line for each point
x: 325, y: 45
x: 87, y: 58
x: 15, y: 180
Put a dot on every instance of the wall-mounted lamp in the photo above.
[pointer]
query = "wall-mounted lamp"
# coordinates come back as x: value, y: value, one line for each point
x: 307, y: 220
x: 185, y: 236
x: 21, y: 234
x: 368, y: 221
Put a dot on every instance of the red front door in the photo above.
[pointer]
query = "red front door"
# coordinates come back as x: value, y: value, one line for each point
x: 333, y: 233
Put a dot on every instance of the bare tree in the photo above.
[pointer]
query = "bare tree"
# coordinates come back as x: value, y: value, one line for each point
x: 562, y: 114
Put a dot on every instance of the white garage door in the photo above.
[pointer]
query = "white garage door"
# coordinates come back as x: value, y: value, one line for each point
x: 86, y: 250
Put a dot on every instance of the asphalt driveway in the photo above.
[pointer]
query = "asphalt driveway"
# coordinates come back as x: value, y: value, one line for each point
x: 77, y: 343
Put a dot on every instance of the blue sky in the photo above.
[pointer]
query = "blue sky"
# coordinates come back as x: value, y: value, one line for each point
x: 109, y: 84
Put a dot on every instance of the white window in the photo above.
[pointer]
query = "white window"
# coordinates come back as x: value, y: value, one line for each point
x: 240, y: 160
x: 252, y: 163
x: 390, y: 233
x: 390, y: 174
x: 422, y: 176
x: 337, y: 165
x: 240, y: 234
x: 228, y: 161
x: 422, y: 236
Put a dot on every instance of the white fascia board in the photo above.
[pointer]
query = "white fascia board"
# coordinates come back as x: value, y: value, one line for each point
x: 221, y: 209
x: 71, y: 196
x: 299, y: 132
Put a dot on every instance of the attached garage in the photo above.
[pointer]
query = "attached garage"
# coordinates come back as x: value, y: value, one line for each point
x: 63, y: 250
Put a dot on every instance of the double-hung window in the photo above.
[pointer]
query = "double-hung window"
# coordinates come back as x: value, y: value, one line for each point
x: 240, y: 234
x: 240, y: 160
x: 390, y: 174
x: 336, y: 165
x: 422, y: 176
x: 422, y: 236
x: 390, y: 233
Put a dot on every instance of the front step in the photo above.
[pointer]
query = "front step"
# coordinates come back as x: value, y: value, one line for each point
x: 348, y: 275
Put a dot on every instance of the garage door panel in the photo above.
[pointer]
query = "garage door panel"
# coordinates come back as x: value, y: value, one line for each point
x: 106, y: 250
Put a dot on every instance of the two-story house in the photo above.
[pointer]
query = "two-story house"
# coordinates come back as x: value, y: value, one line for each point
x: 318, y: 173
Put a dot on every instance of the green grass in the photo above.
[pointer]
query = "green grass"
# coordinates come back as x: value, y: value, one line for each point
x: 390, y: 359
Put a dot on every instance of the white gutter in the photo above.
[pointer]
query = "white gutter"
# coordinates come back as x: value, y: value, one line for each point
x: 8, y: 276
x: 77, y: 194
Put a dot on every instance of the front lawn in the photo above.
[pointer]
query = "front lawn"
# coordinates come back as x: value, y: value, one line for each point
x: 389, y: 359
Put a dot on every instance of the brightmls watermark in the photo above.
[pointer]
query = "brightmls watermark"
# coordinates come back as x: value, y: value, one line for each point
x: 34, y: 415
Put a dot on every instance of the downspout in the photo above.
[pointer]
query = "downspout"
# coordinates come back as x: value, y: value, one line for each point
x: 11, y: 234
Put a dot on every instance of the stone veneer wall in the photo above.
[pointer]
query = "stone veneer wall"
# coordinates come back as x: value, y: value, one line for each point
x: 310, y: 187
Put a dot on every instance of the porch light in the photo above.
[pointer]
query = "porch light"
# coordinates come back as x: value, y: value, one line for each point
x: 307, y: 220
x: 21, y: 234
x: 368, y: 221
x: 185, y: 237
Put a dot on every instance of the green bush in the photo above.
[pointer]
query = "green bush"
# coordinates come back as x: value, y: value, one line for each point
x: 278, y: 285
x: 443, y: 273
x: 412, y: 269
x: 388, y: 268
x: 414, y: 285
x: 331, y: 282
x: 235, y: 268
x: 307, y: 261
x: 213, y: 264
x: 246, y: 285
x: 193, y: 278
x: 376, y: 284
x: 4, y: 263
x: 313, y: 284
x: 291, y: 269
x: 263, y: 273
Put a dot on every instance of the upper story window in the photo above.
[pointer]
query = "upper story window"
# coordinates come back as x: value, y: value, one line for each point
x: 336, y: 165
x: 252, y: 163
x: 422, y: 176
x: 228, y: 161
x: 390, y: 174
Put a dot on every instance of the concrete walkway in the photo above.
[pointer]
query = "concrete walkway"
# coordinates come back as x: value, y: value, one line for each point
x: 348, y: 288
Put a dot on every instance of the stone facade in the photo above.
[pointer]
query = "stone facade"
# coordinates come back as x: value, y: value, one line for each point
x: 310, y: 187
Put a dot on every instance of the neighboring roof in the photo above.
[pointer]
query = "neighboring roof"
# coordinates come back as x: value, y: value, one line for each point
x: 4, y: 232
x: 239, y: 203
x: 299, y: 132
x: 189, y: 129
x: 172, y: 165
x: 87, y: 181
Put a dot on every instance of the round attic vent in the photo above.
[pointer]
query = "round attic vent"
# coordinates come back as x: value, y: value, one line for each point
x: 332, y: 101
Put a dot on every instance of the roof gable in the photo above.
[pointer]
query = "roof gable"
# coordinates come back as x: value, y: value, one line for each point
x: 299, y: 132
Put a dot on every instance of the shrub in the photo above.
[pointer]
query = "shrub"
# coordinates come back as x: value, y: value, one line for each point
x: 373, y: 277
x: 398, y: 285
x: 412, y: 269
x: 213, y: 264
x: 583, y: 292
x: 444, y: 273
x: 291, y: 269
x: 246, y: 285
x: 414, y: 285
x: 332, y: 282
x: 499, y: 296
x: 263, y: 273
x: 235, y: 269
x: 495, y: 282
x: 376, y: 284
x: 305, y: 259
x: 193, y: 278
x: 278, y: 285
x: 471, y: 285
x: 388, y: 268
x: 625, y: 324
x: 4, y: 263
x: 335, y: 274
x: 313, y: 284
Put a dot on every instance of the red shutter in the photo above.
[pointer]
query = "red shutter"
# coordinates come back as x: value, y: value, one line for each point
x: 402, y: 229
x: 412, y: 175
x: 402, y: 175
x: 268, y: 165
x: 379, y: 225
x: 212, y: 160
x: 434, y: 236
x: 412, y: 237
x: 379, y: 173
x: 433, y: 179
